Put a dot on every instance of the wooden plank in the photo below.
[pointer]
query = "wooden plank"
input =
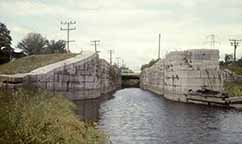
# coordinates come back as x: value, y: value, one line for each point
x: 207, y: 99
x: 234, y: 99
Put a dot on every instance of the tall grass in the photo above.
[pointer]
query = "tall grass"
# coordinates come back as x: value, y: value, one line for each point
x: 234, y: 68
x: 29, y: 63
x: 233, y: 88
x: 39, y: 117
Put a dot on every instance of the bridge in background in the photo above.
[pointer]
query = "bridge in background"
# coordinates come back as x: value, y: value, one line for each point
x: 130, y: 80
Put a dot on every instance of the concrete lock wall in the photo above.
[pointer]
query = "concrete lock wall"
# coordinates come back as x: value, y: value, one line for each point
x: 153, y: 78
x: 110, y: 77
x: 183, y: 72
x: 82, y: 77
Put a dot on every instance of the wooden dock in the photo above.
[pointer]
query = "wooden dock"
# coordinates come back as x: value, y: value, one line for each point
x: 225, y: 101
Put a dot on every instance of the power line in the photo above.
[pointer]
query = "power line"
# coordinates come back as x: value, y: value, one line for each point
x: 110, y: 56
x: 212, y: 40
x: 95, y: 43
x: 235, y: 43
x: 159, y: 47
x: 68, y: 29
x: 123, y: 64
x: 118, y: 61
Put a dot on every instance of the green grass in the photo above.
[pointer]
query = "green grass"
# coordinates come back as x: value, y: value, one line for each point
x: 234, y: 68
x: 233, y: 88
x: 40, y: 117
x: 29, y: 63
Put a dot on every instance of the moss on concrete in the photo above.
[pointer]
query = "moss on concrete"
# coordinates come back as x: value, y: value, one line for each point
x: 29, y: 63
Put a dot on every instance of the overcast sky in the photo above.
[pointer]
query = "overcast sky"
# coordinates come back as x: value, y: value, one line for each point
x: 129, y: 27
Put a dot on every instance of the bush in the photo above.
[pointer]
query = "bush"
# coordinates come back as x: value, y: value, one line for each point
x: 234, y: 68
x: 4, y: 58
x: 233, y: 88
x: 150, y: 64
x: 34, y: 116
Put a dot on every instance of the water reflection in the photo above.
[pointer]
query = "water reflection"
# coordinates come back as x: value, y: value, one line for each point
x: 133, y: 116
x: 137, y: 116
x: 88, y: 110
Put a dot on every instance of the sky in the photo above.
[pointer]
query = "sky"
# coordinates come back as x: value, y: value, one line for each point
x: 129, y: 27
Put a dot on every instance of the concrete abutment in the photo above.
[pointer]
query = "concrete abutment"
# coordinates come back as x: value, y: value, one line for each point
x: 84, y: 76
x: 190, y: 76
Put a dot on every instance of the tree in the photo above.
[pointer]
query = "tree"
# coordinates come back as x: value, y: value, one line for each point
x: 125, y: 69
x: 239, y: 62
x: 5, y: 38
x: 149, y: 64
x: 5, y: 44
x: 55, y: 47
x: 228, y: 58
x: 33, y: 43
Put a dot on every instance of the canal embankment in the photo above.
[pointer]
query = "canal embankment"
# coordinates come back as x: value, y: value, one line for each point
x: 39, y: 116
x: 84, y: 76
x: 36, y: 104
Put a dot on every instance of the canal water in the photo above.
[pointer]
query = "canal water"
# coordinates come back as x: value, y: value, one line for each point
x: 135, y: 116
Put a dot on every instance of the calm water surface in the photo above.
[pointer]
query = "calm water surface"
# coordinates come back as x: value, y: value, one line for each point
x: 134, y: 116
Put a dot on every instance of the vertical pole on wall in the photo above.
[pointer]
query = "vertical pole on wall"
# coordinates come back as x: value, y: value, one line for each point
x: 159, y: 47
x: 95, y: 43
x: 68, y: 37
x: 235, y: 47
x: 118, y: 61
x: 110, y: 56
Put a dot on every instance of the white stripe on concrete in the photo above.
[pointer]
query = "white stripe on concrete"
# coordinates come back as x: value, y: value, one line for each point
x: 45, y: 69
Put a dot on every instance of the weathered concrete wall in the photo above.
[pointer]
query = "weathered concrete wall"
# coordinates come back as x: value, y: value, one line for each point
x: 190, y: 71
x: 81, y: 77
x: 184, y: 72
x: 110, y: 77
x: 153, y: 78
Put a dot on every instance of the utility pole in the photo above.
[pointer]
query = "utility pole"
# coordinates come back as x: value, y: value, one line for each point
x: 68, y: 29
x: 235, y: 43
x: 212, y: 40
x: 123, y: 63
x: 110, y: 56
x: 95, y: 43
x: 118, y: 61
x: 159, y: 47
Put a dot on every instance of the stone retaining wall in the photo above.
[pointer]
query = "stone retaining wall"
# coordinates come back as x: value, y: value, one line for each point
x: 110, y: 77
x: 82, y: 77
x: 153, y: 78
x: 184, y: 72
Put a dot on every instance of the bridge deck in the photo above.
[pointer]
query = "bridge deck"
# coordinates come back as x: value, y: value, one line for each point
x: 130, y: 75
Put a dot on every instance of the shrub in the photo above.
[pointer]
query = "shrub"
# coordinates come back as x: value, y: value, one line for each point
x: 37, y: 116
x: 234, y: 68
x: 233, y: 88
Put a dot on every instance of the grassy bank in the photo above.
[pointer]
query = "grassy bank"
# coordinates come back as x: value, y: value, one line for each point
x: 233, y: 88
x: 234, y: 68
x: 29, y: 63
x: 39, y: 117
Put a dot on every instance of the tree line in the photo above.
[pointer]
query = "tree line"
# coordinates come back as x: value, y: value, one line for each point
x: 150, y: 64
x: 229, y: 60
x: 31, y: 44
